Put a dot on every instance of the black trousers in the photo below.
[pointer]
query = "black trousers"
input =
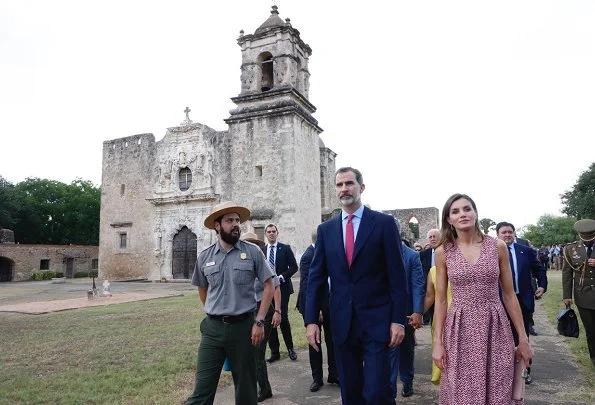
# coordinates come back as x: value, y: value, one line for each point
x: 285, y: 327
x: 262, y: 375
x: 588, y: 319
x: 315, y: 357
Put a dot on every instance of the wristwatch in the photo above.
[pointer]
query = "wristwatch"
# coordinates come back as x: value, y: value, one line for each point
x: 259, y: 323
x: 278, y: 311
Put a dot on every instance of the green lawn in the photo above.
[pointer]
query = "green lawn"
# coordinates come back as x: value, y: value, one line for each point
x: 143, y: 352
x: 553, y: 305
x: 135, y: 353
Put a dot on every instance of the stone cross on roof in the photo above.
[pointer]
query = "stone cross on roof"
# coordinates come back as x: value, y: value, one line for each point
x: 187, y: 121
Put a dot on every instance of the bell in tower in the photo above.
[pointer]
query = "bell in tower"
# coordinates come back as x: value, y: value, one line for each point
x: 273, y: 57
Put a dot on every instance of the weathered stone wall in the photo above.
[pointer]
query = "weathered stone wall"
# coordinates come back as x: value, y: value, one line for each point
x: 27, y: 258
x: 427, y: 218
x: 329, y: 200
x: 274, y: 174
x: 303, y: 190
x: 128, y: 168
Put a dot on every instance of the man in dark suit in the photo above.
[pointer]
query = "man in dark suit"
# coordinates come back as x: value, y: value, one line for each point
x: 427, y: 261
x: 524, y: 266
x: 281, y: 258
x: 360, y: 251
x: 324, y: 322
x: 402, y: 357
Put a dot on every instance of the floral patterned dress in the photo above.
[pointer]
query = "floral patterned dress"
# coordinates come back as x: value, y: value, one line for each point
x: 478, y: 341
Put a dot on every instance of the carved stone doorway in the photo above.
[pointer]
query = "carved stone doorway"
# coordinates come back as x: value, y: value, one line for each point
x: 5, y: 269
x: 184, y: 254
x: 69, y: 267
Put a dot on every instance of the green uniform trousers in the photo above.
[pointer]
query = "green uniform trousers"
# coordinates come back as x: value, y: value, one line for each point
x: 220, y: 340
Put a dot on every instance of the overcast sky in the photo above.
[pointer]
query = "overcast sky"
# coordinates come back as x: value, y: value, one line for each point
x: 427, y: 98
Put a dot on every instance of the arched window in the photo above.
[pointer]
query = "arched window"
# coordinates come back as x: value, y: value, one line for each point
x: 185, y: 179
x: 266, y: 68
x: 414, y: 227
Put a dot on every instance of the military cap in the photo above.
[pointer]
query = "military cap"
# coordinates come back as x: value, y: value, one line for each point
x: 585, y: 229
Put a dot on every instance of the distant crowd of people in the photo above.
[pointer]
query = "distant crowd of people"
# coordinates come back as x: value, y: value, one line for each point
x: 367, y: 291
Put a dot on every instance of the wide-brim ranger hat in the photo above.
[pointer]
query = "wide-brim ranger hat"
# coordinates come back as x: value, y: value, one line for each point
x: 226, y: 207
x: 252, y: 238
x: 586, y: 229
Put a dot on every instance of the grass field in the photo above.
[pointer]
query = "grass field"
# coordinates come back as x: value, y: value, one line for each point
x: 135, y: 353
x: 144, y: 352
x: 553, y: 304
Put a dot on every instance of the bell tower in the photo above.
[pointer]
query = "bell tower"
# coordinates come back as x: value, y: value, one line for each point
x: 274, y: 139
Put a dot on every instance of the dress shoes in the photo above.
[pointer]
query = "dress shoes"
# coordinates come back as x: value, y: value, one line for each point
x: 332, y: 380
x: 528, y: 379
x: 292, y: 355
x: 274, y: 357
x: 407, y: 389
x: 532, y: 331
x: 315, y: 386
x: 264, y: 395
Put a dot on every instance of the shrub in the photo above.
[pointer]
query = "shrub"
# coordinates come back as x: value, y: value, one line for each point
x: 59, y: 274
x: 81, y: 274
x: 43, y: 275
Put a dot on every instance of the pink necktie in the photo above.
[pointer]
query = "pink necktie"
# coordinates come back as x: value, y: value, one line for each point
x: 349, y: 240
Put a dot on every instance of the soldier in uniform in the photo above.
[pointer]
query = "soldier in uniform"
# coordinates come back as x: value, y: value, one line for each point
x: 225, y: 273
x: 578, y: 278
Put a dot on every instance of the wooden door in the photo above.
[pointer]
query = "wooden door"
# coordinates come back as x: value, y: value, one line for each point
x: 5, y: 269
x: 69, y: 267
x: 184, y: 254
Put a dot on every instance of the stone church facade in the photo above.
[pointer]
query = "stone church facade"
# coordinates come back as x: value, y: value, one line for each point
x: 156, y: 194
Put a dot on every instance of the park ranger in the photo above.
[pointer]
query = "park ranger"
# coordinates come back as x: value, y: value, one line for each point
x: 578, y: 271
x: 224, y: 274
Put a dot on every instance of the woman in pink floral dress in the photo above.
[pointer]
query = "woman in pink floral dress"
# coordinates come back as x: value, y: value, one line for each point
x: 473, y: 342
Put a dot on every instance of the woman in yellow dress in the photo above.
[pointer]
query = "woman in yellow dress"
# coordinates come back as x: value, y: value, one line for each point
x: 428, y: 302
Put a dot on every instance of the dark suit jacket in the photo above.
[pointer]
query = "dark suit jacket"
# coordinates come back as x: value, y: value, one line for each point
x: 527, y: 267
x: 305, y: 262
x: 426, y: 261
x: 415, y: 281
x: 285, y: 265
x: 373, y: 291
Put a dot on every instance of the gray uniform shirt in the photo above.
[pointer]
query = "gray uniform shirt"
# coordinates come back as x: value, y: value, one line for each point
x: 259, y: 287
x: 230, y: 277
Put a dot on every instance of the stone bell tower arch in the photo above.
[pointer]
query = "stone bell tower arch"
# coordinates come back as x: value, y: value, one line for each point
x: 274, y: 137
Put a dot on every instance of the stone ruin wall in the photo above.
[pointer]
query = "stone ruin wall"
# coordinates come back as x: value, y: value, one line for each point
x: 27, y: 258
x: 428, y: 218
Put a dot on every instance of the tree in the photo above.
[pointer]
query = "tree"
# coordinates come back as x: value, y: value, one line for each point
x: 414, y: 227
x: 579, y: 202
x: 7, y: 204
x: 51, y: 212
x: 486, y: 224
x: 551, y: 230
